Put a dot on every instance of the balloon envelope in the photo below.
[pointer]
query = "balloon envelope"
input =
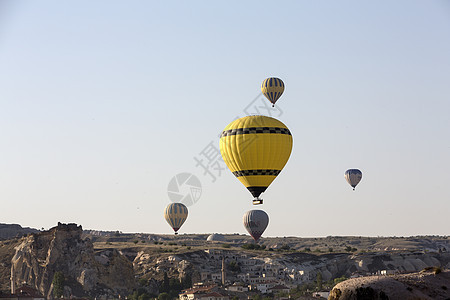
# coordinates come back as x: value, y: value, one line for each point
x: 175, y: 214
x: 256, y: 221
x: 255, y: 149
x: 353, y: 177
x: 272, y: 88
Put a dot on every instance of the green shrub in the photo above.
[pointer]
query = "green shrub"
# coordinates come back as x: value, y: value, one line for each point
x: 58, y: 284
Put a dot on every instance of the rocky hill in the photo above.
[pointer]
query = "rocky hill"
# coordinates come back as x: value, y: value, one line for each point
x: 429, y: 284
x: 99, y: 264
x: 314, y: 245
x: 8, y: 231
x: 87, y: 272
x: 294, y: 268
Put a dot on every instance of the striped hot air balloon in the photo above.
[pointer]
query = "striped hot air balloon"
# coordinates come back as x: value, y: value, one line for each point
x: 175, y: 214
x: 256, y: 221
x: 272, y: 88
x: 255, y: 149
x: 353, y: 177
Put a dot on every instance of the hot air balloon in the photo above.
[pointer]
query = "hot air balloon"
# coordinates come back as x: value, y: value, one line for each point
x: 255, y: 149
x: 256, y: 221
x: 272, y: 88
x: 175, y: 214
x: 353, y: 177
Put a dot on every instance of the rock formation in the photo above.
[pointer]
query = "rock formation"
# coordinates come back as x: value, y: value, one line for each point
x: 8, y: 231
x: 61, y: 249
x: 429, y: 284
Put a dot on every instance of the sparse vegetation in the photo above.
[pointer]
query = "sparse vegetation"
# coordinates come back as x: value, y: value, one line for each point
x: 58, y: 284
x: 285, y: 248
x: 350, y: 249
x: 233, y: 266
x: 141, y: 294
x: 339, y: 279
x: 253, y: 247
x: 319, y: 281
x: 173, y: 286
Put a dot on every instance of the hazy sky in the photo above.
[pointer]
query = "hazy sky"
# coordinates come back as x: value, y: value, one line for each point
x: 102, y: 103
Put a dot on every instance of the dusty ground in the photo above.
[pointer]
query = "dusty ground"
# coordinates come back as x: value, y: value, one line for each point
x: 424, y: 285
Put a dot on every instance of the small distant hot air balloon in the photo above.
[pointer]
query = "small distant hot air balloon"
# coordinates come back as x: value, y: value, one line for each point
x: 175, y: 214
x: 353, y: 177
x: 256, y: 221
x: 255, y: 149
x: 272, y: 88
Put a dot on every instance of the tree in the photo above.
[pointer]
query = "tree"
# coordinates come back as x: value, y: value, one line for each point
x: 165, y: 286
x: 319, y: 281
x: 233, y: 266
x: 163, y: 296
x: 142, y: 282
x: 339, y: 279
x: 140, y: 294
x: 186, y: 281
x: 285, y: 247
x: 144, y: 296
x: 58, y: 284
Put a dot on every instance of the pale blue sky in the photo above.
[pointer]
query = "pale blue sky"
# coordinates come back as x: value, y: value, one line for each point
x: 103, y: 102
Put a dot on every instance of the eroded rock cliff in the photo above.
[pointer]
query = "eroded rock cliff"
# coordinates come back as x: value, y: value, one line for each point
x: 86, y: 272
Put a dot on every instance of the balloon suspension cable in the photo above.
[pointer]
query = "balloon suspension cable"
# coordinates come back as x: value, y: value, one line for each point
x: 257, y: 201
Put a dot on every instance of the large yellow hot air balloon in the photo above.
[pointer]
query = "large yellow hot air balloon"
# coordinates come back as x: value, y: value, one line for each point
x: 175, y: 214
x: 272, y: 88
x: 255, y: 149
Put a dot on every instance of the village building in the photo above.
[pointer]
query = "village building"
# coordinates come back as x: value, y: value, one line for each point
x: 279, y: 289
x: 237, y: 287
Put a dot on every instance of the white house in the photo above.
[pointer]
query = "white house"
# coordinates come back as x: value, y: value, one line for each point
x: 237, y: 287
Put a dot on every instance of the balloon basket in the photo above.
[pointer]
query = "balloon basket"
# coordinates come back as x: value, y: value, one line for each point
x: 257, y: 201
